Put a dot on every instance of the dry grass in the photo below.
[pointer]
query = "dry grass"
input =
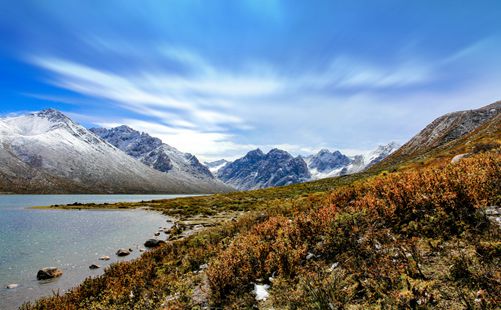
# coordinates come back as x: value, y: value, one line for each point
x: 413, y: 239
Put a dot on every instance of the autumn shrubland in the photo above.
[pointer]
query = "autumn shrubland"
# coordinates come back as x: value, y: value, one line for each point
x: 414, y: 239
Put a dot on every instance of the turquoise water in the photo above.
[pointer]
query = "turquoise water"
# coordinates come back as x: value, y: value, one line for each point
x: 72, y: 240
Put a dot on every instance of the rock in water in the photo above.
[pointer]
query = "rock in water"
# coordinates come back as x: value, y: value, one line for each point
x: 11, y: 286
x: 104, y: 258
x: 152, y: 243
x: 122, y: 252
x: 94, y: 266
x: 49, y: 273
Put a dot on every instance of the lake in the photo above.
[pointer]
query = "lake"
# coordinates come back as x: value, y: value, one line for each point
x: 71, y: 240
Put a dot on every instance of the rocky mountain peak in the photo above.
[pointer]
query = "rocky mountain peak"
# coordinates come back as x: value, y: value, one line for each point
x: 257, y: 153
x: 259, y: 170
x: 52, y: 115
x: 153, y: 152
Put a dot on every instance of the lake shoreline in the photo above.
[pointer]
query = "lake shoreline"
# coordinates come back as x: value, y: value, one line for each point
x: 21, y: 270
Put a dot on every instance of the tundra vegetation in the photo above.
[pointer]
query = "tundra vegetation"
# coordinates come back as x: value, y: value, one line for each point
x: 411, y: 239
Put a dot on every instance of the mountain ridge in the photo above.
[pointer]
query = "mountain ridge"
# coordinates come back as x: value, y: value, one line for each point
x: 47, y: 152
x: 153, y: 152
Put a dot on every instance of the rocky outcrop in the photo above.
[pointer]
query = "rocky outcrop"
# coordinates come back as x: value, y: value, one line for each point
x: 49, y: 273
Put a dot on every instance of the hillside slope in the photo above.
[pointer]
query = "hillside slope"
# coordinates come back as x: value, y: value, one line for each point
x: 449, y: 135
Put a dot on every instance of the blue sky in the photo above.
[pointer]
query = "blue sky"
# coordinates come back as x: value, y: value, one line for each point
x: 218, y: 78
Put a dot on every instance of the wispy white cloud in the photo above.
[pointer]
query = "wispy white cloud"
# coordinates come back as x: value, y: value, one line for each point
x: 200, y: 110
x: 346, y: 72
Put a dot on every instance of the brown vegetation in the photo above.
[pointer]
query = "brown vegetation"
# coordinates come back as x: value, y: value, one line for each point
x: 411, y: 240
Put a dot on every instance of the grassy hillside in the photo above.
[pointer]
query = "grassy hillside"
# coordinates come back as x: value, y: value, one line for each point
x: 413, y: 239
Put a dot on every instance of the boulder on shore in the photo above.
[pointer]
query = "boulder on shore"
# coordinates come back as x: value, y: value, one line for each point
x: 152, y: 243
x: 49, y: 273
x: 123, y: 252
x: 457, y: 158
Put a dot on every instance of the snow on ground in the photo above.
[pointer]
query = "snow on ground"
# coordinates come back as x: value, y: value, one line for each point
x: 261, y: 291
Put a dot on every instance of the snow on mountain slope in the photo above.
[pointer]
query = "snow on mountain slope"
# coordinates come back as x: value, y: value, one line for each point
x: 258, y: 170
x: 153, y: 152
x: 215, y: 166
x: 326, y: 164
x: 64, y: 157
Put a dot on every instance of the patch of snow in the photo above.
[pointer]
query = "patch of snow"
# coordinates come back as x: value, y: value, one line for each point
x: 261, y: 291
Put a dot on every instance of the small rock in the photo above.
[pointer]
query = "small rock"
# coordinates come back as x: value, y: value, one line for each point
x: 203, y: 266
x: 104, y: 258
x: 333, y: 266
x: 130, y: 250
x: 94, y: 266
x: 457, y: 158
x: 494, y: 214
x: 152, y: 243
x: 123, y: 252
x: 157, y: 234
x: 11, y: 286
x: 49, y: 273
x: 310, y: 256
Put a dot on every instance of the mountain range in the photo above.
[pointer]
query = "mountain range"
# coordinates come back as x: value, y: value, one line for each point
x: 277, y: 168
x: 46, y: 152
x: 259, y: 170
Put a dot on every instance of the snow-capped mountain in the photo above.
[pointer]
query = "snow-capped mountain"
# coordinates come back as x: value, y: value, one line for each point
x: 214, y: 166
x: 46, y: 152
x: 153, y: 152
x: 326, y: 164
x: 258, y: 170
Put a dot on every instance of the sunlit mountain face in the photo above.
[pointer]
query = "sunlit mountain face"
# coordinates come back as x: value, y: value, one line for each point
x: 222, y: 78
